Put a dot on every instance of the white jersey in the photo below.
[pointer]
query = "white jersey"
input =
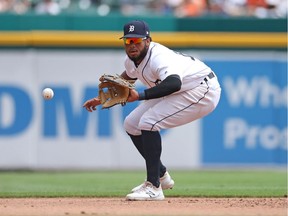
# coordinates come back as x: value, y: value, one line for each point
x: 161, y: 62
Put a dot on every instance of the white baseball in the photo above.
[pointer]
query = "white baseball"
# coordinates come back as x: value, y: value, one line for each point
x: 47, y: 93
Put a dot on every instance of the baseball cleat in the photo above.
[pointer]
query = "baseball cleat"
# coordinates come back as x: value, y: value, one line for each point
x: 166, y: 183
x: 147, y: 192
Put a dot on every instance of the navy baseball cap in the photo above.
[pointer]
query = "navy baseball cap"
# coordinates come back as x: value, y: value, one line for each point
x: 136, y: 29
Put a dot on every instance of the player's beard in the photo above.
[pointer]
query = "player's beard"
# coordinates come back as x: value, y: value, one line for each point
x: 137, y: 59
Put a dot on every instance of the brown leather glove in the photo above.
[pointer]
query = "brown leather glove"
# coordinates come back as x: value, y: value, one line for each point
x: 113, y: 90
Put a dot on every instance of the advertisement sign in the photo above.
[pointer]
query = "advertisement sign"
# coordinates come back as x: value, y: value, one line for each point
x: 249, y: 125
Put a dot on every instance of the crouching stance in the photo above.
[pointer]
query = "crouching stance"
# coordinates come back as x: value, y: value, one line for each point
x: 180, y: 89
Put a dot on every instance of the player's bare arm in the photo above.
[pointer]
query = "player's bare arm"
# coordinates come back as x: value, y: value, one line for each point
x: 133, y: 95
x: 91, y: 104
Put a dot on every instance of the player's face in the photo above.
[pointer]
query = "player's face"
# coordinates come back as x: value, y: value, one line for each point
x: 136, y: 48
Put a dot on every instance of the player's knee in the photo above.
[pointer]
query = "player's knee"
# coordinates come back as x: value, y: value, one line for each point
x: 131, y: 127
x: 145, y: 124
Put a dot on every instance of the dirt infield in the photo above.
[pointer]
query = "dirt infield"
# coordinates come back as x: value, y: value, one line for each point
x: 119, y: 206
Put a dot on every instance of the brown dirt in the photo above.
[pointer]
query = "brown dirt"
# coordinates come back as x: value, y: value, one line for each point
x: 119, y: 206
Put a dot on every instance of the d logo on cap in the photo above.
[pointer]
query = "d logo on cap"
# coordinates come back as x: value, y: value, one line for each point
x: 131, y: 28
x: 136, y: 29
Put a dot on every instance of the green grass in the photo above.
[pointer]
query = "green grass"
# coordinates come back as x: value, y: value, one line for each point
x: 204, y: 183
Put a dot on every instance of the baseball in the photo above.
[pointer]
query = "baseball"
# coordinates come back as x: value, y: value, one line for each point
x: 47, y: 93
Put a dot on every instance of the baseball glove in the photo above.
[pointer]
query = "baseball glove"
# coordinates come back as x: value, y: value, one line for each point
x: 113, y: 90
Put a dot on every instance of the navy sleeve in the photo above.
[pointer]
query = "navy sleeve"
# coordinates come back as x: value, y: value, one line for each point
x: 168, y: 86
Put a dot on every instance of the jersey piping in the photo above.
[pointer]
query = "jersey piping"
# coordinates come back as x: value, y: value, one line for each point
x: 142, y: 72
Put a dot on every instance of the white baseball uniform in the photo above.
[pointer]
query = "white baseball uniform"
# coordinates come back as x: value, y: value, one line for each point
x: 198, y: 96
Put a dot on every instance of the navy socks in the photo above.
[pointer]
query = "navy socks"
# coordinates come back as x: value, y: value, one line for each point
x: 149, y: 146
x: 152, y: 151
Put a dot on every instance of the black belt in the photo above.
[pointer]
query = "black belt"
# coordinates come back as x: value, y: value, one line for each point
x: 210, y: 76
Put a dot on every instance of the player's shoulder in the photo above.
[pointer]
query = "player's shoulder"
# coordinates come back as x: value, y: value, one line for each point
x: 157, y: 49
x: 158, y: 46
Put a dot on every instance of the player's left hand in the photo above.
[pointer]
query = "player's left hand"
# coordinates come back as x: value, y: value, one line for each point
x: 133, y: 95
x: 91, y: 104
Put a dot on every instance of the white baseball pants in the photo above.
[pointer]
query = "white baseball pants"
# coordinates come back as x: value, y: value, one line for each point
x: 174, y: 110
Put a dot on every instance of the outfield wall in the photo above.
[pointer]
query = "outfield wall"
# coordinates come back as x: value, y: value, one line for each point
x: 92, y: 31
x: 249, y: 127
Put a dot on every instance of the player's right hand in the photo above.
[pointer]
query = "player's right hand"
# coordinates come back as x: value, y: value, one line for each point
x: 91, y: 104
x: 133, y: 95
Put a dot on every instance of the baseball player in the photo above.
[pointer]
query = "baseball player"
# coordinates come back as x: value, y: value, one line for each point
x: 180, y: 89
